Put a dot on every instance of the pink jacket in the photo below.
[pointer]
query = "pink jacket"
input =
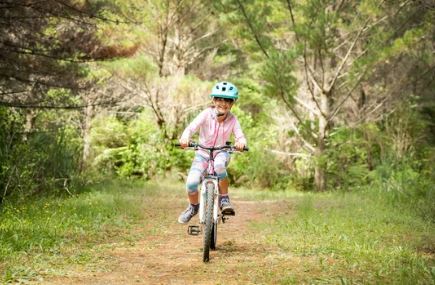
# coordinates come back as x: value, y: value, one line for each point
x: 213, y: 133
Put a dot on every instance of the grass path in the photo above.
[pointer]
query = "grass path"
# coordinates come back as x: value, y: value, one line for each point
x: 167, y: 255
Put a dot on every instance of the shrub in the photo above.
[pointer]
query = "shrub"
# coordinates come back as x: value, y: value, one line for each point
x: 133, y: 147
x: 39, y: 161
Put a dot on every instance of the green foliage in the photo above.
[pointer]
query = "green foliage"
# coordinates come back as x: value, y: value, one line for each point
x: 350, y: 155
x: 108, y: 132
x: 278, y: 73
x: 139, y: 67
x: 317, y: 24
x: 235, y: 13
x: 406, y: 187
x: 133, y: 147
x: 258, y: 166
x: 407, y: 170
x: 392, y: 157
x: 40, y: 161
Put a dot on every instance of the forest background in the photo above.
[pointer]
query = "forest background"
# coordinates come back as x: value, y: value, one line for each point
x: 335, y: 95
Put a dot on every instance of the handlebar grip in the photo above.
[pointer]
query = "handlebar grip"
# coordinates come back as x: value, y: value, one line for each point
x: 191, y: 144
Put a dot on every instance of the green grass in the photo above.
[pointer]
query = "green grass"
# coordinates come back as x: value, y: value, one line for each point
x: 350, y: 239
x: 328, y: 238
x: 265, y: 194
x: 43, y: 233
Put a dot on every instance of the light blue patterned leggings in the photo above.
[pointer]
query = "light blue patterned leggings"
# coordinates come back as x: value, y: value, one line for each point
x: 199, y: 166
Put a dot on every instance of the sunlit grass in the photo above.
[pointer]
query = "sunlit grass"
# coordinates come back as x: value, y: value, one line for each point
x: 264, y: 194
x: 351, y: 239
x: 36, y: 232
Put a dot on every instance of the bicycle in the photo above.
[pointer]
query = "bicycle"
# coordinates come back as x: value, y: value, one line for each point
x: 209, y: 215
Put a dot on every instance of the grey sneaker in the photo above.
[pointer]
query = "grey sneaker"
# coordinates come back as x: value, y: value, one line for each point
x: 188, y: 214
x: 226, y: 207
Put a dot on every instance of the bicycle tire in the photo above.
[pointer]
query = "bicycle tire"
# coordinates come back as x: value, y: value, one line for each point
x: 214, y: 236
x: 208, y: 222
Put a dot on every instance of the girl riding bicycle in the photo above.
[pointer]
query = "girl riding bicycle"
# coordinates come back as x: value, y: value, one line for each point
x: 215, y: 125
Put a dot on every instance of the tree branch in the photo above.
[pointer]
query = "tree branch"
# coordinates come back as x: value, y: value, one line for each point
x: 374, y: 109
x: 308, y: 77
x: 72, y: 8
x: 309, y: 108
x: 66, y: 107
x: 281, y: 94
x: 252, y: 29
x: 13, y: 92
x: 295, y: 154
x: 26, y: 51
x: 45, y: 83
x: 289, y: 6
x: 334, y: 113
x: 349, y: 51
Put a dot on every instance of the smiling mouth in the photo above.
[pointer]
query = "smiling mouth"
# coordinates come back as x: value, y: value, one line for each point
x: 221, y: 111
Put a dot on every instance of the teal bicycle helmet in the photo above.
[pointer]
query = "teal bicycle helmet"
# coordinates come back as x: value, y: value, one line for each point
x: 225, y: 89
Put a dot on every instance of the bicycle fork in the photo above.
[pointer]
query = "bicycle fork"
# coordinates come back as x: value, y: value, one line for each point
x: 203, y: 198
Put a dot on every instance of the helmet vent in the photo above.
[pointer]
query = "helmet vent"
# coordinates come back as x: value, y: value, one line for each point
x: 225, y: 89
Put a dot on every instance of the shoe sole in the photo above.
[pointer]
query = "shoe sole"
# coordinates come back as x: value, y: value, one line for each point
x: 228, y: 212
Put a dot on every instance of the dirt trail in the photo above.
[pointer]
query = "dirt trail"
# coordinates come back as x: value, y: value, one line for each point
x: 170, y: 256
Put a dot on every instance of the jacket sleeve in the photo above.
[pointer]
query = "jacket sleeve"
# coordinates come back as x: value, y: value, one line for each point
x: 238, y: 133
x: 194, y: 125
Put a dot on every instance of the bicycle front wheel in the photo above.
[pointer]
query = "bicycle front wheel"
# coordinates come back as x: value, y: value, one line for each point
x: 214, y: 236
x: 208, y: 231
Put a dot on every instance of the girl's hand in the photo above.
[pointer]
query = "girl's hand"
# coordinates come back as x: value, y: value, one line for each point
x: 184, y: 143
x: 239, y: 146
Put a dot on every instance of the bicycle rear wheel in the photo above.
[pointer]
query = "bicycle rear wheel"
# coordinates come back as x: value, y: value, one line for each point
x: 208, y: 231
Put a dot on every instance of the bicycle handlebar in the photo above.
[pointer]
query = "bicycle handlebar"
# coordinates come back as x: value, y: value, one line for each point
x: 197, y: 145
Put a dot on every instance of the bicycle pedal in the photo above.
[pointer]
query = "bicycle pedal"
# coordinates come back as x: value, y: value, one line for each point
x: 193, y: 230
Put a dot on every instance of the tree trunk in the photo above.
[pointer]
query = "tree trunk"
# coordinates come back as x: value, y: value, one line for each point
x: 321, y: 164
x: 30, y: 122
x: 86, y: 134
x: 319, y: 171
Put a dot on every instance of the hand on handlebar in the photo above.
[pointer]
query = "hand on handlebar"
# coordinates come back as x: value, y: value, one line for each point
x: 184, y: 143
x: 239, y: 146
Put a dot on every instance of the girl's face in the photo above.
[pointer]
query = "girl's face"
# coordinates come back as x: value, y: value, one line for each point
x: 223, y: 105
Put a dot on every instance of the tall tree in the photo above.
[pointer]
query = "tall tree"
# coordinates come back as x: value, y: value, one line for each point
x: 178, y: 42
x: 319, y: 56
x: 44, y: 44
x: 45, y: 51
